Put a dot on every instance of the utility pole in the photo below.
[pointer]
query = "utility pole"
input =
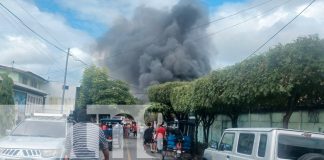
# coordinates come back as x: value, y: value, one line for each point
x: 64, y: 85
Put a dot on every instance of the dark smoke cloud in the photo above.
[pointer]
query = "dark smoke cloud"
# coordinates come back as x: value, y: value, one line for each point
x: 158, y: 46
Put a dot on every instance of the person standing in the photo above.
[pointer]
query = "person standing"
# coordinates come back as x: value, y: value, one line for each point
x: 84, y: 141
x: 148, y: 136
x: 160, y: 135
x: 135, y: 129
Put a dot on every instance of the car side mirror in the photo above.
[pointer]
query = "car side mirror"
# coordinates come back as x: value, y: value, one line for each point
x: 8, y: 131
x: 214, y: 145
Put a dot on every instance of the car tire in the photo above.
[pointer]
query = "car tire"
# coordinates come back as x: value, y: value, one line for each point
x: 311, y: 156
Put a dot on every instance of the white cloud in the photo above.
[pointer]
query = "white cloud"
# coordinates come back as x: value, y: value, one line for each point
x: 270, y: 20
x: 237, y: 43
x: 29, y: 52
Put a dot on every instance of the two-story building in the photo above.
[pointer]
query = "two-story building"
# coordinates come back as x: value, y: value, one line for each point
x: 33, y: 93
x: 28, y: 93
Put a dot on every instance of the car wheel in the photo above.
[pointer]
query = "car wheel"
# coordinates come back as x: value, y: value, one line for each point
x: 311, y: 156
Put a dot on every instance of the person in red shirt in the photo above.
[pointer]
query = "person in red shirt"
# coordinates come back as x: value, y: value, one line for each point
x: 160, y: 135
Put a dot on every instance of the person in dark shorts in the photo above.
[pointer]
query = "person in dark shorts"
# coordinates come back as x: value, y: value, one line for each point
x: 148, y: 136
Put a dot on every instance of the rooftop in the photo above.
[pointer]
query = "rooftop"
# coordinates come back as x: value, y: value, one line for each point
x: 22, y: 71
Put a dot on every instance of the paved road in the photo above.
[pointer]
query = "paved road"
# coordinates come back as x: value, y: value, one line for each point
x: 132, y: 149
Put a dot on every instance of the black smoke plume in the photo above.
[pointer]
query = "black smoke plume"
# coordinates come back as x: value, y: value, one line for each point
x: 157, y: 46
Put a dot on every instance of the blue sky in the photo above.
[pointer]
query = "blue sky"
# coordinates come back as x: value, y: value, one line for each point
x: 94, y: 28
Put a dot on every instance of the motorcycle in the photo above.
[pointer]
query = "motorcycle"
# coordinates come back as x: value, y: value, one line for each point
x: 178, y: 150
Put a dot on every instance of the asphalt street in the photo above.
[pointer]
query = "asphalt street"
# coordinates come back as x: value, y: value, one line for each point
x: 132, y: 149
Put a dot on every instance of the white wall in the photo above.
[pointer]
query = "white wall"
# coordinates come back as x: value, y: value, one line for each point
x: 301, y: 120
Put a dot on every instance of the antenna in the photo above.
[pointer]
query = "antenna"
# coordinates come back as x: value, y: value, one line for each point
x: 12, y: 65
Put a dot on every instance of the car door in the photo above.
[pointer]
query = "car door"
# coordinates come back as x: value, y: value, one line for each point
x: 225, y: 147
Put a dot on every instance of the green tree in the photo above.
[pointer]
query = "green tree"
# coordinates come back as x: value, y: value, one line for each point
x: 161, y: 94
x: 296, y: 74
x: 160, y: 108
x: 97, y: 88
x: 7, y: 110
x: 180, y: 99
x: 236, y: 87
x: 204, y: 105
x: 286, y: 78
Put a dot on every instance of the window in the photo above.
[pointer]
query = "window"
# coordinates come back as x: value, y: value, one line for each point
x: 245, y: 143
x: 24, y: 80
x: 40, y: 129
x: 293, y: 146
x: 34, y: 83
x: 227, y: 142
x: 262, y: 145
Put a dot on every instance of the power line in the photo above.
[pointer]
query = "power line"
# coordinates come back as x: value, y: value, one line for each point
x: 70, y: 70
x: 281, y: 29
x: 231, y: 15
x: 40, y: 36
x: 23, y: 23
x: 20, y: 30
x: 242, y: 22
x: 42, y: 26
x: 195, y: 27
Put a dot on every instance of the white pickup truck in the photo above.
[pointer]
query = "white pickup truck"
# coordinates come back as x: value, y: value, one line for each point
x: 267, y: 144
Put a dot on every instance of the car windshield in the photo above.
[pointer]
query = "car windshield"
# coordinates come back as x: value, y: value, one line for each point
x: 40, y: 129
x: 292, y: 147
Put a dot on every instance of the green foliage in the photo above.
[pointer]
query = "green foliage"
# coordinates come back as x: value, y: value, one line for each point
x: 165, y: 110
x: 97, y: 88
x: 6, y: 90
x: 158, y: 108
x: 296, y: 69
x: 181, y: 98
x: 286, y: 78
x: 7, y: 110
x: 160, y: 93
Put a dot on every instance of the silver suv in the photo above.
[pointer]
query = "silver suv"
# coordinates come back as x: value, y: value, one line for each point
x: 38, y: 137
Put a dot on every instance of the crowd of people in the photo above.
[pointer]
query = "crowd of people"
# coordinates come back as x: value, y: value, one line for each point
x: 154, y: 137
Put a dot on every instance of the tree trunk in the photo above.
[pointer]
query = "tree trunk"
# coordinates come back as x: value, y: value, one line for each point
x: 289, y: 112
x: 207, y: 120
x: 196, y: 133
x: 285, y: 120
x: 234, y: 118
x: 205, y: 135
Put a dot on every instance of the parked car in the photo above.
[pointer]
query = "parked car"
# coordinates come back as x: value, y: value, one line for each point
x: 267, y: 144
x: 37, y: 137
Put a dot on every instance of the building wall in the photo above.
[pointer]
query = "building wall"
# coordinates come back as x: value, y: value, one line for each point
x: 301, y: 120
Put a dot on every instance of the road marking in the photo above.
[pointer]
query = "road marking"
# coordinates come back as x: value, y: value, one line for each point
x: 128, y: 153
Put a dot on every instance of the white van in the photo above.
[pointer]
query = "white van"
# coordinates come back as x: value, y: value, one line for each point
x: 267, y: 144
